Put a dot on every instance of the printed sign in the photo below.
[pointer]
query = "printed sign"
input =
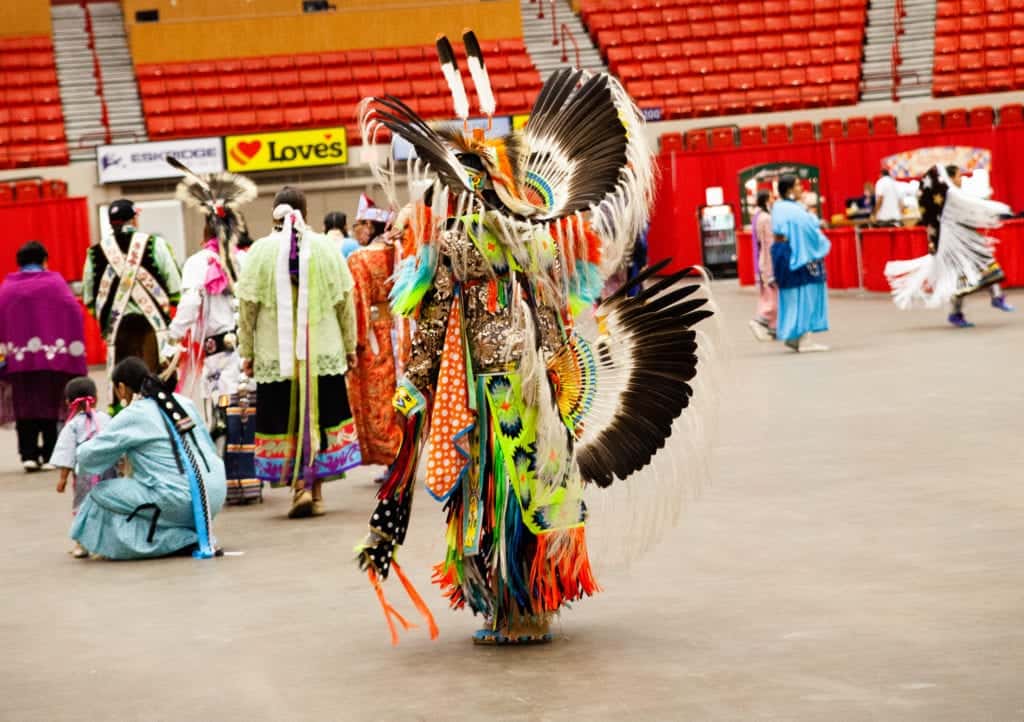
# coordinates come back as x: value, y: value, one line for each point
x: 146, y: 161
x: 915, y: 163
x: 293, y: 149
x: 766, y: 177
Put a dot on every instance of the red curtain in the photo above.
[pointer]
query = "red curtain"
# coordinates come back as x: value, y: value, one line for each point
x: 845, y: 165
x: 62, y: 225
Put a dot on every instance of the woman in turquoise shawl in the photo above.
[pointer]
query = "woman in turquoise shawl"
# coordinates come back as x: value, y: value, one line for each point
x: 176, y: 481
x: 798, y: 258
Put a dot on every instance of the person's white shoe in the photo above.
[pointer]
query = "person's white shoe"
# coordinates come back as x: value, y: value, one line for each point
x: 760, y: 331
x: 813, y: 347
x: 48, y: 467
x: 30, y: 465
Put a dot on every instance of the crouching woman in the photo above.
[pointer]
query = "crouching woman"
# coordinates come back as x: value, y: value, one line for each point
x: 175, y: 481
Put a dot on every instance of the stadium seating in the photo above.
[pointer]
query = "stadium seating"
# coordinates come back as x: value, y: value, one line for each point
x: 31, y: 118
x: 32, y: 189
x: 799, y: 132
x: 692, y: 58
x: 246, y: 94
x: 979, y: 47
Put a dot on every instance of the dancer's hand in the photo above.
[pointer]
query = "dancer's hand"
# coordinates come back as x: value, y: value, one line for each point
x: 247, y: 367
x: 62, y: 484
x: 352, y: 360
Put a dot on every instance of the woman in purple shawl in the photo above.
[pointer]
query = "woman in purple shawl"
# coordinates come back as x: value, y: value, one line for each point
x: 42, y: 339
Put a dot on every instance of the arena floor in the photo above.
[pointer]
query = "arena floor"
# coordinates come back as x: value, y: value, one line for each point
x: 857, y: 557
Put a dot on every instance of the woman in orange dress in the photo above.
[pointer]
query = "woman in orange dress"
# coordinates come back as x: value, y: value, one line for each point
x: 371, y: 385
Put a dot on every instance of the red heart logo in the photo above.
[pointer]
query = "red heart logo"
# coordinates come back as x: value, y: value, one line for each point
x: 327, y: 136
x: 250, y: 148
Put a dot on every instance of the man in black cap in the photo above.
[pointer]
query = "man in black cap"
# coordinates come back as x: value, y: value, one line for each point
x: 131, y: 284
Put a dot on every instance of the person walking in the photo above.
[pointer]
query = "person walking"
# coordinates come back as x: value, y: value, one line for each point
x: 763, y: 324
x: 131, y: 284
x: 297, y: 339
x: 798, y: 261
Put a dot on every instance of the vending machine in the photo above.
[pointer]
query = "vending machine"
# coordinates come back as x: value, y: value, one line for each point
x: 717, y: 235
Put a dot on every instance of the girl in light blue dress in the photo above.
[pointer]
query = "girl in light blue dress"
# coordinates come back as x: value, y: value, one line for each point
x: 176, y: 484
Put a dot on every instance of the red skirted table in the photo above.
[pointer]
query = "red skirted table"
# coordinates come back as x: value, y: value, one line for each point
x: 841, y: 263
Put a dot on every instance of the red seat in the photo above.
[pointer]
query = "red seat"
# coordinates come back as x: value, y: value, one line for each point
x: 697, y: 140
x: 793, y: 76
x: 847, y: 54
x: 843, y: 94
x: 691, y: 85
x: 821, y: 75
x: 24, y: 134
x: 929, y: 121
x: 742, y: 81
x: 786, y: 98
x: 26, y: 190
x: 884, y: 125
x: 178, y: 86
x: 280, y: 62
x: 803, y: 132
x: 751, y: 135
x: 1004, y: 79
x: 206, y: 84
x: 44, y: 95
x: 270, y: 119
x: 241, y: 121
x: 1011, y: 114
x: 759, y: 100
x: 23, y: 115
x: 945, y: 64
x: 716, y: 83
x: 670, y: 142
x: 291, y: 97
x: 972, y: 82
x: 259, y: 81
x: 300, y: 117
x: 152, y: 87
x: 160, y: 126
x: 858, y: 127
x: 324, y: 115
x: 812, y: 96
x: 237, y: 101
x: 981, y: 117
x: 776, y: 133
x: 954, y: 118
x: 207, y: 103
x: 943, y: 85
x: 214, y: 123
x: 705, y: 104
x: 264, y: 99
x: 831, y: 128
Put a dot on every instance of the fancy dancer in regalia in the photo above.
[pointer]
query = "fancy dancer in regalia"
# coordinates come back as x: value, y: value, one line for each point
x: 526, y: 397
x: 206, y: 323
x: 960, y: 261
x: 131, y: 285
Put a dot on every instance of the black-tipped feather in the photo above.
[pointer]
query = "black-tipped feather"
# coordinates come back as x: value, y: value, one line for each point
x: 657, y: 326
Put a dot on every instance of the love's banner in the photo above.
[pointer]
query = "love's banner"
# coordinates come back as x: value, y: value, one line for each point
x: 293, y: 149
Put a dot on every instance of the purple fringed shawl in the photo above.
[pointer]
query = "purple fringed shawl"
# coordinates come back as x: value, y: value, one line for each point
x: 41, y: 325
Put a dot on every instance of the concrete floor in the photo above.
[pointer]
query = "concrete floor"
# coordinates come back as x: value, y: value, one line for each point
x: 857, y: 557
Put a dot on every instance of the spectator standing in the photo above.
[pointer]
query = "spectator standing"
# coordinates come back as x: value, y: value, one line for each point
x: 42, y: 337
x: 887, y: 200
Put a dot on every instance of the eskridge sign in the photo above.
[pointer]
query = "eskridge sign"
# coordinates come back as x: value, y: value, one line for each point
x: 146, y: 161
x: 293, y: 149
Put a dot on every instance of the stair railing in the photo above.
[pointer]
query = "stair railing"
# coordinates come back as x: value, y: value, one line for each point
x: 565, y: 32
x: 895, y: 57
x: 97, y: 72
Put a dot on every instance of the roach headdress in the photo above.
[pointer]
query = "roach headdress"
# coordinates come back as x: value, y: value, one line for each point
x: 219, y: 196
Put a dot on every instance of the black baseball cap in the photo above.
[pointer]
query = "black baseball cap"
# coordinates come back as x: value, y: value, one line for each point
x: 121, y: 211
